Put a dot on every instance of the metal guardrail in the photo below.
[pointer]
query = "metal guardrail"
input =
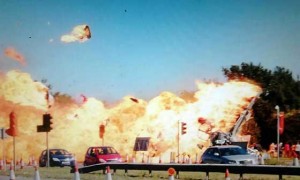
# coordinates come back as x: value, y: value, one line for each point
x: 207, y: 168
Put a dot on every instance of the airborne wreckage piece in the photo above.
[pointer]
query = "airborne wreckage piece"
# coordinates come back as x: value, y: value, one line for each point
x: 79, y: 33
x: 221, y: 138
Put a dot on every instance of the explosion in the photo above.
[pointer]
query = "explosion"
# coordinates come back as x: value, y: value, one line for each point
x: 76, y: 125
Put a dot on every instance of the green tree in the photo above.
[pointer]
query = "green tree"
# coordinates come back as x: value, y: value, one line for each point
x: 279, y: 88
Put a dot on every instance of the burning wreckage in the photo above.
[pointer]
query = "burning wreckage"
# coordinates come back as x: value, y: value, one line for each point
x: 223, y: 138
x: 216, y: 138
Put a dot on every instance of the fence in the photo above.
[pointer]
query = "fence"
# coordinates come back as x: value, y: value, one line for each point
x: 207, y: 168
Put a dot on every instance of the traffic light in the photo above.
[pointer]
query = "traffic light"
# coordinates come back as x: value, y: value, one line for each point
x: 183, y: 128
x: 12, y: 131
x: 201, y: 120
x: 46, y: 127
x: 101, y: 131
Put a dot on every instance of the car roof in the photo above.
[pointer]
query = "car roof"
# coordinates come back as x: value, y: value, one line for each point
x: 55, y: 149
x: 100, y: 147
x: 225, y: 146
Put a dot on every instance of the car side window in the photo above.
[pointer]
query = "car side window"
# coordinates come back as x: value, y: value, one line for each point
x: 89, y: 151
x: 216, y: 152
x: 210, y: 151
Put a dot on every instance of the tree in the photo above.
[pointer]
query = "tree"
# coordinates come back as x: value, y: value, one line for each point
x: 279, y: 88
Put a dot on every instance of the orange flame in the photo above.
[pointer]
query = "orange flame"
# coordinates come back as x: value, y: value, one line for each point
x: 76, y: 125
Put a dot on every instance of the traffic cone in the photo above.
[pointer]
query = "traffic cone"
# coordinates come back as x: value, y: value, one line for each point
x: 1, y: 164
x: 76, y: 173
x: 133, y: 159
x: 4, y: 165
x: 171, y: 172
x: 108, y: 174
x: 295, y: 161
x: 261, y: 160
x: 21, y: 164
x: 12, y: 173
x: 143, y: 161
x: 159, y: 161
x: 227, y: 175
x: 36, y: 173
x: 30, y: 161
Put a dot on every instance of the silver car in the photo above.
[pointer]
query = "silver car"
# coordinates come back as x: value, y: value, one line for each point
x: 228, y: 154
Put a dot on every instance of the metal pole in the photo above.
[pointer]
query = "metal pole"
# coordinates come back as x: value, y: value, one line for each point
x: 3, y: 142
x: 48, y: 164
x: 14, y: 160
x: 178, y: 140
x: 278, y: 109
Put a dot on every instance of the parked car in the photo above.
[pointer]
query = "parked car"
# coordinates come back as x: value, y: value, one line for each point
x: 101, y: 154
x: 227, y: 154
x: 57, y: 157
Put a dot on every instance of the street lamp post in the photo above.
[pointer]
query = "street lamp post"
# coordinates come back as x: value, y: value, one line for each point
x: 278, y: 110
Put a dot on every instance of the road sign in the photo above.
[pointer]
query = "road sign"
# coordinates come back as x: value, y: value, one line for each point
x: 3, y: 133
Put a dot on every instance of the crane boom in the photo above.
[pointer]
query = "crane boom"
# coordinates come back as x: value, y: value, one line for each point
x: 244, y: 116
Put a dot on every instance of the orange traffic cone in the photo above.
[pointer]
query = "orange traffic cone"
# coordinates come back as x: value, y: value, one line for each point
x: 1, y: 165
x: 171, y: 172
x: 12, y: 173
x: 108, y: 174
x: 159, y: 161
x: 36, y: 173
x: 4, y: 165
x: 133, y: 159
x: 21, y: 164
x: 227, y: 175
x: 76, y: 173
x: 30, y: 161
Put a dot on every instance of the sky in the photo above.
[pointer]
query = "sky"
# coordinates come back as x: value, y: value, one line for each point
x: 144, y: 47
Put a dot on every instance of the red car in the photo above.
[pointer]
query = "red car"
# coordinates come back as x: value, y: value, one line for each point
x: 101, y: 154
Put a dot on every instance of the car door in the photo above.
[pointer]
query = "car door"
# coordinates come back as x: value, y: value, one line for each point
x: 43, y: 158
x: 212, y: 156
x: 90, y: 157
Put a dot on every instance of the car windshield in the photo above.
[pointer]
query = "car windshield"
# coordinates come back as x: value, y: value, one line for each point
x: 59, y: 152
x: 232, y: 151
x: 106, y: 150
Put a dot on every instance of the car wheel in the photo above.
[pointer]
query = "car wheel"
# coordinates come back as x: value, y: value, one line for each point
x: 42, y: 164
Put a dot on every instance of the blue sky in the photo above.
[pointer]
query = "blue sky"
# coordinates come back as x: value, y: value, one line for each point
x: 144, y: 47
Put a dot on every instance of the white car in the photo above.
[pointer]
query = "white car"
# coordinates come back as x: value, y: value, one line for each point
x: 228, y: 154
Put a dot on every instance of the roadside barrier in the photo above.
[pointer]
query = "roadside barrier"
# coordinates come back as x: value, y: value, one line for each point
x: 205, y: 168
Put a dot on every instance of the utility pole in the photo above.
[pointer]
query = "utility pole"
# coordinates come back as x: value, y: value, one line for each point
x: 178, y: 141
x: 278, y: 110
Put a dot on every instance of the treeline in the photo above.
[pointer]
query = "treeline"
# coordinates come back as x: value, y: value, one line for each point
x: 279, y: 88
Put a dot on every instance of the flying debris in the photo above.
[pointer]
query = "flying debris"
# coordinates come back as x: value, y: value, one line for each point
x: 84, y: 98
x: 134, y: 100
x: 13, y: 54
x: 79, y: 33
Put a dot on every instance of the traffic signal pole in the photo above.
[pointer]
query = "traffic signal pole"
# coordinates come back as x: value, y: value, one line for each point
x: 14, y: 151
x: 48, y: 156
x: 178, y: 141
